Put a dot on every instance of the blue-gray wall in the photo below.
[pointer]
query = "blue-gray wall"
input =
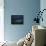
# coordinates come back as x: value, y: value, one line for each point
x: 19, y: 7
x: 43, y: 6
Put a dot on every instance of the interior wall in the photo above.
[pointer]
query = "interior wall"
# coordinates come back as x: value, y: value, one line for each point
x: 43, y: 6
x: 28, y: 8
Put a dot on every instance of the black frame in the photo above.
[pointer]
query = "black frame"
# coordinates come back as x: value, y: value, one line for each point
x: 17, y: 19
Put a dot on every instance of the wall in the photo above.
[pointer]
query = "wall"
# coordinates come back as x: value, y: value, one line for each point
x: 43, y: 6
x: 19, y: 7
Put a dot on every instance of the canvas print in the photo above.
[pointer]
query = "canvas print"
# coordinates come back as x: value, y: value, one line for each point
x: 17, y: 19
